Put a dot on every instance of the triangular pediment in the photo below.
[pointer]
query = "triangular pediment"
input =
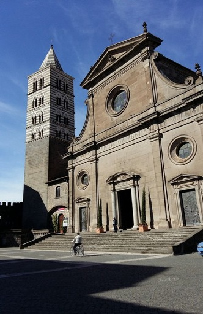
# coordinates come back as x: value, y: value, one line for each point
x: 82, y: 200
x: 184, y: 178
x: 115, y: 53
x: 121, y: 176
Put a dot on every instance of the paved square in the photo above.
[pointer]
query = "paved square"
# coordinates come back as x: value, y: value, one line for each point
x: 54, y: 282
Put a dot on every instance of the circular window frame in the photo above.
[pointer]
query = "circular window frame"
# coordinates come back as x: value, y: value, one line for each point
x: 174, y: 146
x: 111, y: 97
x: 79, y: 178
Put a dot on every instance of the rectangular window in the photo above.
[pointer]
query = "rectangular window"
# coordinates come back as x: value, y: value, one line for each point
x: 58, y: 84
x: 65, y: 104
x: 58, y: 118
x: 65, y: 120
x: 35, y: 86
x: 58, y: 101
x: 41, y: 83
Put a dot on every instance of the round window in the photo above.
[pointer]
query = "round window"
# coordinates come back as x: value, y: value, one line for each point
x: 117, y: 100
x: 182, y: 149
x: 82, y: 180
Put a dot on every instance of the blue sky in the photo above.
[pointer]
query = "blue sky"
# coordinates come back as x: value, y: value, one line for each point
x: 79, y: 31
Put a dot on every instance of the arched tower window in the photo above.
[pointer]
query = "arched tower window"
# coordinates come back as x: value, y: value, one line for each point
x: 57, y: 191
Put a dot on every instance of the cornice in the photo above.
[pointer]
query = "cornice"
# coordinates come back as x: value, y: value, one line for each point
x: 58, y: 180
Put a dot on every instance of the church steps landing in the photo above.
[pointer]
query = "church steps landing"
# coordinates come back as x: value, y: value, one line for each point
x: 154, y: 241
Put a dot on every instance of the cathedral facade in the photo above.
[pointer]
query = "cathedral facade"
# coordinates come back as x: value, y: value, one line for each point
x: 142, y: 134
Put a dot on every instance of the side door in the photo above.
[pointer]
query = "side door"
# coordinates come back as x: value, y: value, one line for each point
x: 83, y: 219
x: 189, y: 207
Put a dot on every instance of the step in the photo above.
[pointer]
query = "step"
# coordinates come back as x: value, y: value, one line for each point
x: 154, y: 241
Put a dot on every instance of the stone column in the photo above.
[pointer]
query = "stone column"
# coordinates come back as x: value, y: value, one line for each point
x: 137, y: 202
x: 134, y: 207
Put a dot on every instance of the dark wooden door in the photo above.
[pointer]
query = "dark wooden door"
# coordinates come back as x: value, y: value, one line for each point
x: 189, y: 207
x: 83, y: 219
x: 125, y: 209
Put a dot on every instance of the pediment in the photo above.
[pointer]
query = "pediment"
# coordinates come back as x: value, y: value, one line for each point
x: 115, y: 53
x: 82, y: 200
x: 121, y: 177
x: 184, y: 178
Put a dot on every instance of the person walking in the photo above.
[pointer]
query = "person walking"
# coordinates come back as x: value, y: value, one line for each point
x: 115, y: 225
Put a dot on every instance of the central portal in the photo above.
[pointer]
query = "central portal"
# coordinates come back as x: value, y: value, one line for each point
x: 125, y: 209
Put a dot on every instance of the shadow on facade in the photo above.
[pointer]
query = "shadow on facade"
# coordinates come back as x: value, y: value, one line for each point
x: 151, y: 213
x: 35, y: 215
x: 82, y: 288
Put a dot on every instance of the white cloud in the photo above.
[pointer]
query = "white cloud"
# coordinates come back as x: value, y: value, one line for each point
x: 7, y: 108
x: 19, y: 84
x: 78, y: 17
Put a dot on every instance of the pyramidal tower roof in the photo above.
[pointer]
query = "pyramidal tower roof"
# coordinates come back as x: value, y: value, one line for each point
x: 51, y: 60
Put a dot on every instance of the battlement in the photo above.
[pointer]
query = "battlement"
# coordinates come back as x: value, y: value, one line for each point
x: 10, y: 204
x: 11, y: 215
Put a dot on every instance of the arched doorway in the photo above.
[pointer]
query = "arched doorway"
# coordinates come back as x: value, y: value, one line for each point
x: 59, y: 218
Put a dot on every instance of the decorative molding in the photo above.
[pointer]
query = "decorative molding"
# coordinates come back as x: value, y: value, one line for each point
x: 173, y: 146
x: 82, y: 200
x: 189, y: 80
x: 182, y: 179
x: 122, y: 177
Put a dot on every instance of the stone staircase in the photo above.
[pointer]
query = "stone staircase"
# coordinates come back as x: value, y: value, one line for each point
x: 171, y: 241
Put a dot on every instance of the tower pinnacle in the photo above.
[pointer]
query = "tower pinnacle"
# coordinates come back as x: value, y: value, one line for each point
x: 51, y: 60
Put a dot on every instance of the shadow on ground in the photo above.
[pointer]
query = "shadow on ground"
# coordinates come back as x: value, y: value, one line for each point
x: 37, y: 286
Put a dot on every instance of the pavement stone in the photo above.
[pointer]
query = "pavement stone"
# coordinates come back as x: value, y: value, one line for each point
x: 53, y: 282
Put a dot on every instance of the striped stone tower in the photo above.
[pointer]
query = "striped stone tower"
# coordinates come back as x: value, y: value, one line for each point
x: 49, y: 130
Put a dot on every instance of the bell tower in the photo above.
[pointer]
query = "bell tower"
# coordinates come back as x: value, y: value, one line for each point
x: 49, y: 130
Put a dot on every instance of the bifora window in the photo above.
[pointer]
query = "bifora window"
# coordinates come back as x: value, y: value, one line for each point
x: 117, y: 100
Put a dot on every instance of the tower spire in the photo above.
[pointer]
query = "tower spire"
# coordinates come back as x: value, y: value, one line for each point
x: 51, y: 60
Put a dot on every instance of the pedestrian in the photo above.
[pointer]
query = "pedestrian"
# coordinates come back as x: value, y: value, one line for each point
x: 77, y: 242
x: 115, y: 225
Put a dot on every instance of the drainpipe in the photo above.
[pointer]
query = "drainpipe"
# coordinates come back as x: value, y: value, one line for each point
x: 95, y: 159
x: 155, y: 99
